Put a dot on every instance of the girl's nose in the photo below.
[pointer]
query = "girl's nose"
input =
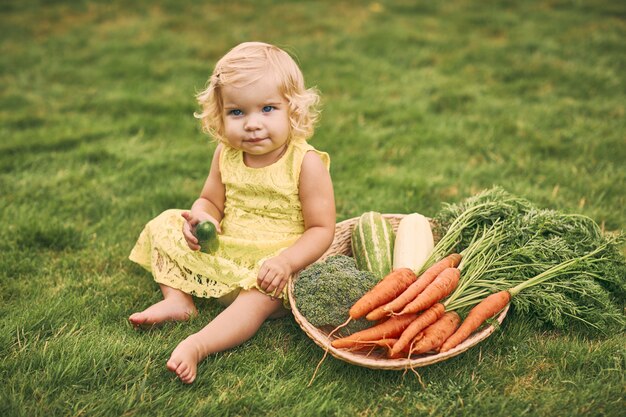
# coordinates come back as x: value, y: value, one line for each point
x: 252, y: 123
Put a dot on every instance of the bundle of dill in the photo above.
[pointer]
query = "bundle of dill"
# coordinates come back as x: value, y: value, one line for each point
x: 586, y: 294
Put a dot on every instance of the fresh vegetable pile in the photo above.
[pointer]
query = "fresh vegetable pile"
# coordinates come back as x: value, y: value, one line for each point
x: 495, y: 249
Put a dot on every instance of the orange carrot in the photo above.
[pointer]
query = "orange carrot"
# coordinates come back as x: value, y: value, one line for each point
x: 404, y: 353
x: 416, y: 287
x: 437, y: 290
x: 378, y: 313
x: 397, y: 355
x: 434, y: 335
x: 424, y: 320
x: 484, y: 310
x: 388, y: 329
x: 385, y: 344
x: 371, y: 344
x: 386, y: 290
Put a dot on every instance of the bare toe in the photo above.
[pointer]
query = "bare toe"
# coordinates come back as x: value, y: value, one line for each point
x: 184, y: 360
x: 172, y: 365
x: 189, y: 379
x: 137, y: 319
x: 187, y: 376
x: 182, y: 370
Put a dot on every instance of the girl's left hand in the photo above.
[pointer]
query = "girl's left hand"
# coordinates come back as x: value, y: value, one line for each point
x: 273, y: 275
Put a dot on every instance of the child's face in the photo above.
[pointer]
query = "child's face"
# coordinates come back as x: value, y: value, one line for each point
x: 256, y: 119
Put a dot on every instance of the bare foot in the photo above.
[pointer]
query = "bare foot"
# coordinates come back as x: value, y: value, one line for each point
x: 233, y: 326
x: 169, y: 309
x: 184, y: 359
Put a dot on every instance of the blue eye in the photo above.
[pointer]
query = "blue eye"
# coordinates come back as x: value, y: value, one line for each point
x: 268, y: 109
x: 235, y: 112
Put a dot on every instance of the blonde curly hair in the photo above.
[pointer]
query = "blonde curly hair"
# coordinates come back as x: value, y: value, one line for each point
x: 247, y: 63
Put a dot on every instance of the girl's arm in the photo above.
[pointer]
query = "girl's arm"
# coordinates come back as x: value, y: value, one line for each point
x: 209, y: 206
x: 318, y: 209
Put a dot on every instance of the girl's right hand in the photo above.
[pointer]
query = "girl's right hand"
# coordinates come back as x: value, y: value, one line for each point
x: 189, y: 226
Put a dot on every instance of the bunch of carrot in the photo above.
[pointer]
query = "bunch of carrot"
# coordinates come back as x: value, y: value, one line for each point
x: 411, y: 318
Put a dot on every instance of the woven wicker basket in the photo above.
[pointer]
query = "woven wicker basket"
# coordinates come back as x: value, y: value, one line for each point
x: 375, y: 360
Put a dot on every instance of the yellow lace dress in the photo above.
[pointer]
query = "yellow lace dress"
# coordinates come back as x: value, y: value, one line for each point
x: 262, y: 217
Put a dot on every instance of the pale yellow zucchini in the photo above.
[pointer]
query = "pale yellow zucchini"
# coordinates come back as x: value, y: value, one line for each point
x: 414, y: 242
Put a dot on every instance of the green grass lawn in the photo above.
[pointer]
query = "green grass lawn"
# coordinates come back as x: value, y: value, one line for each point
x: 424, y: 102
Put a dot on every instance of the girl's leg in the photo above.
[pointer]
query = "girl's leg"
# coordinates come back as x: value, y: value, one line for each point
x: 175, y: 306
x: 233, y: 326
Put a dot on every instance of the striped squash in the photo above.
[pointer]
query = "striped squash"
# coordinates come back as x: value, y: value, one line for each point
x: 372, y: 244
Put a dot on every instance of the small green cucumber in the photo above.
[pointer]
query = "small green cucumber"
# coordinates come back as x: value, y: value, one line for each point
x: 206, y: 233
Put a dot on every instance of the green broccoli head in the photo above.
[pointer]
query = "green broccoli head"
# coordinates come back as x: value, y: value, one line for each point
x: 326, y: 290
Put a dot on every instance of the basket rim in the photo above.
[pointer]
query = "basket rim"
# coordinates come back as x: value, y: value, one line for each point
x: 361, y: 359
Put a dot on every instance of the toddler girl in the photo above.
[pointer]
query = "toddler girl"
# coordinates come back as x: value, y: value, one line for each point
x: 268, y: 192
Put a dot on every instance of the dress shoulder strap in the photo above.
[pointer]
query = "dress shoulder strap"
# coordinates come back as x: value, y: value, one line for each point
x: 300, y: 149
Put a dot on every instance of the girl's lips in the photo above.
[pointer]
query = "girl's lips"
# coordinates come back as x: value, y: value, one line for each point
x: 255, y: 140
